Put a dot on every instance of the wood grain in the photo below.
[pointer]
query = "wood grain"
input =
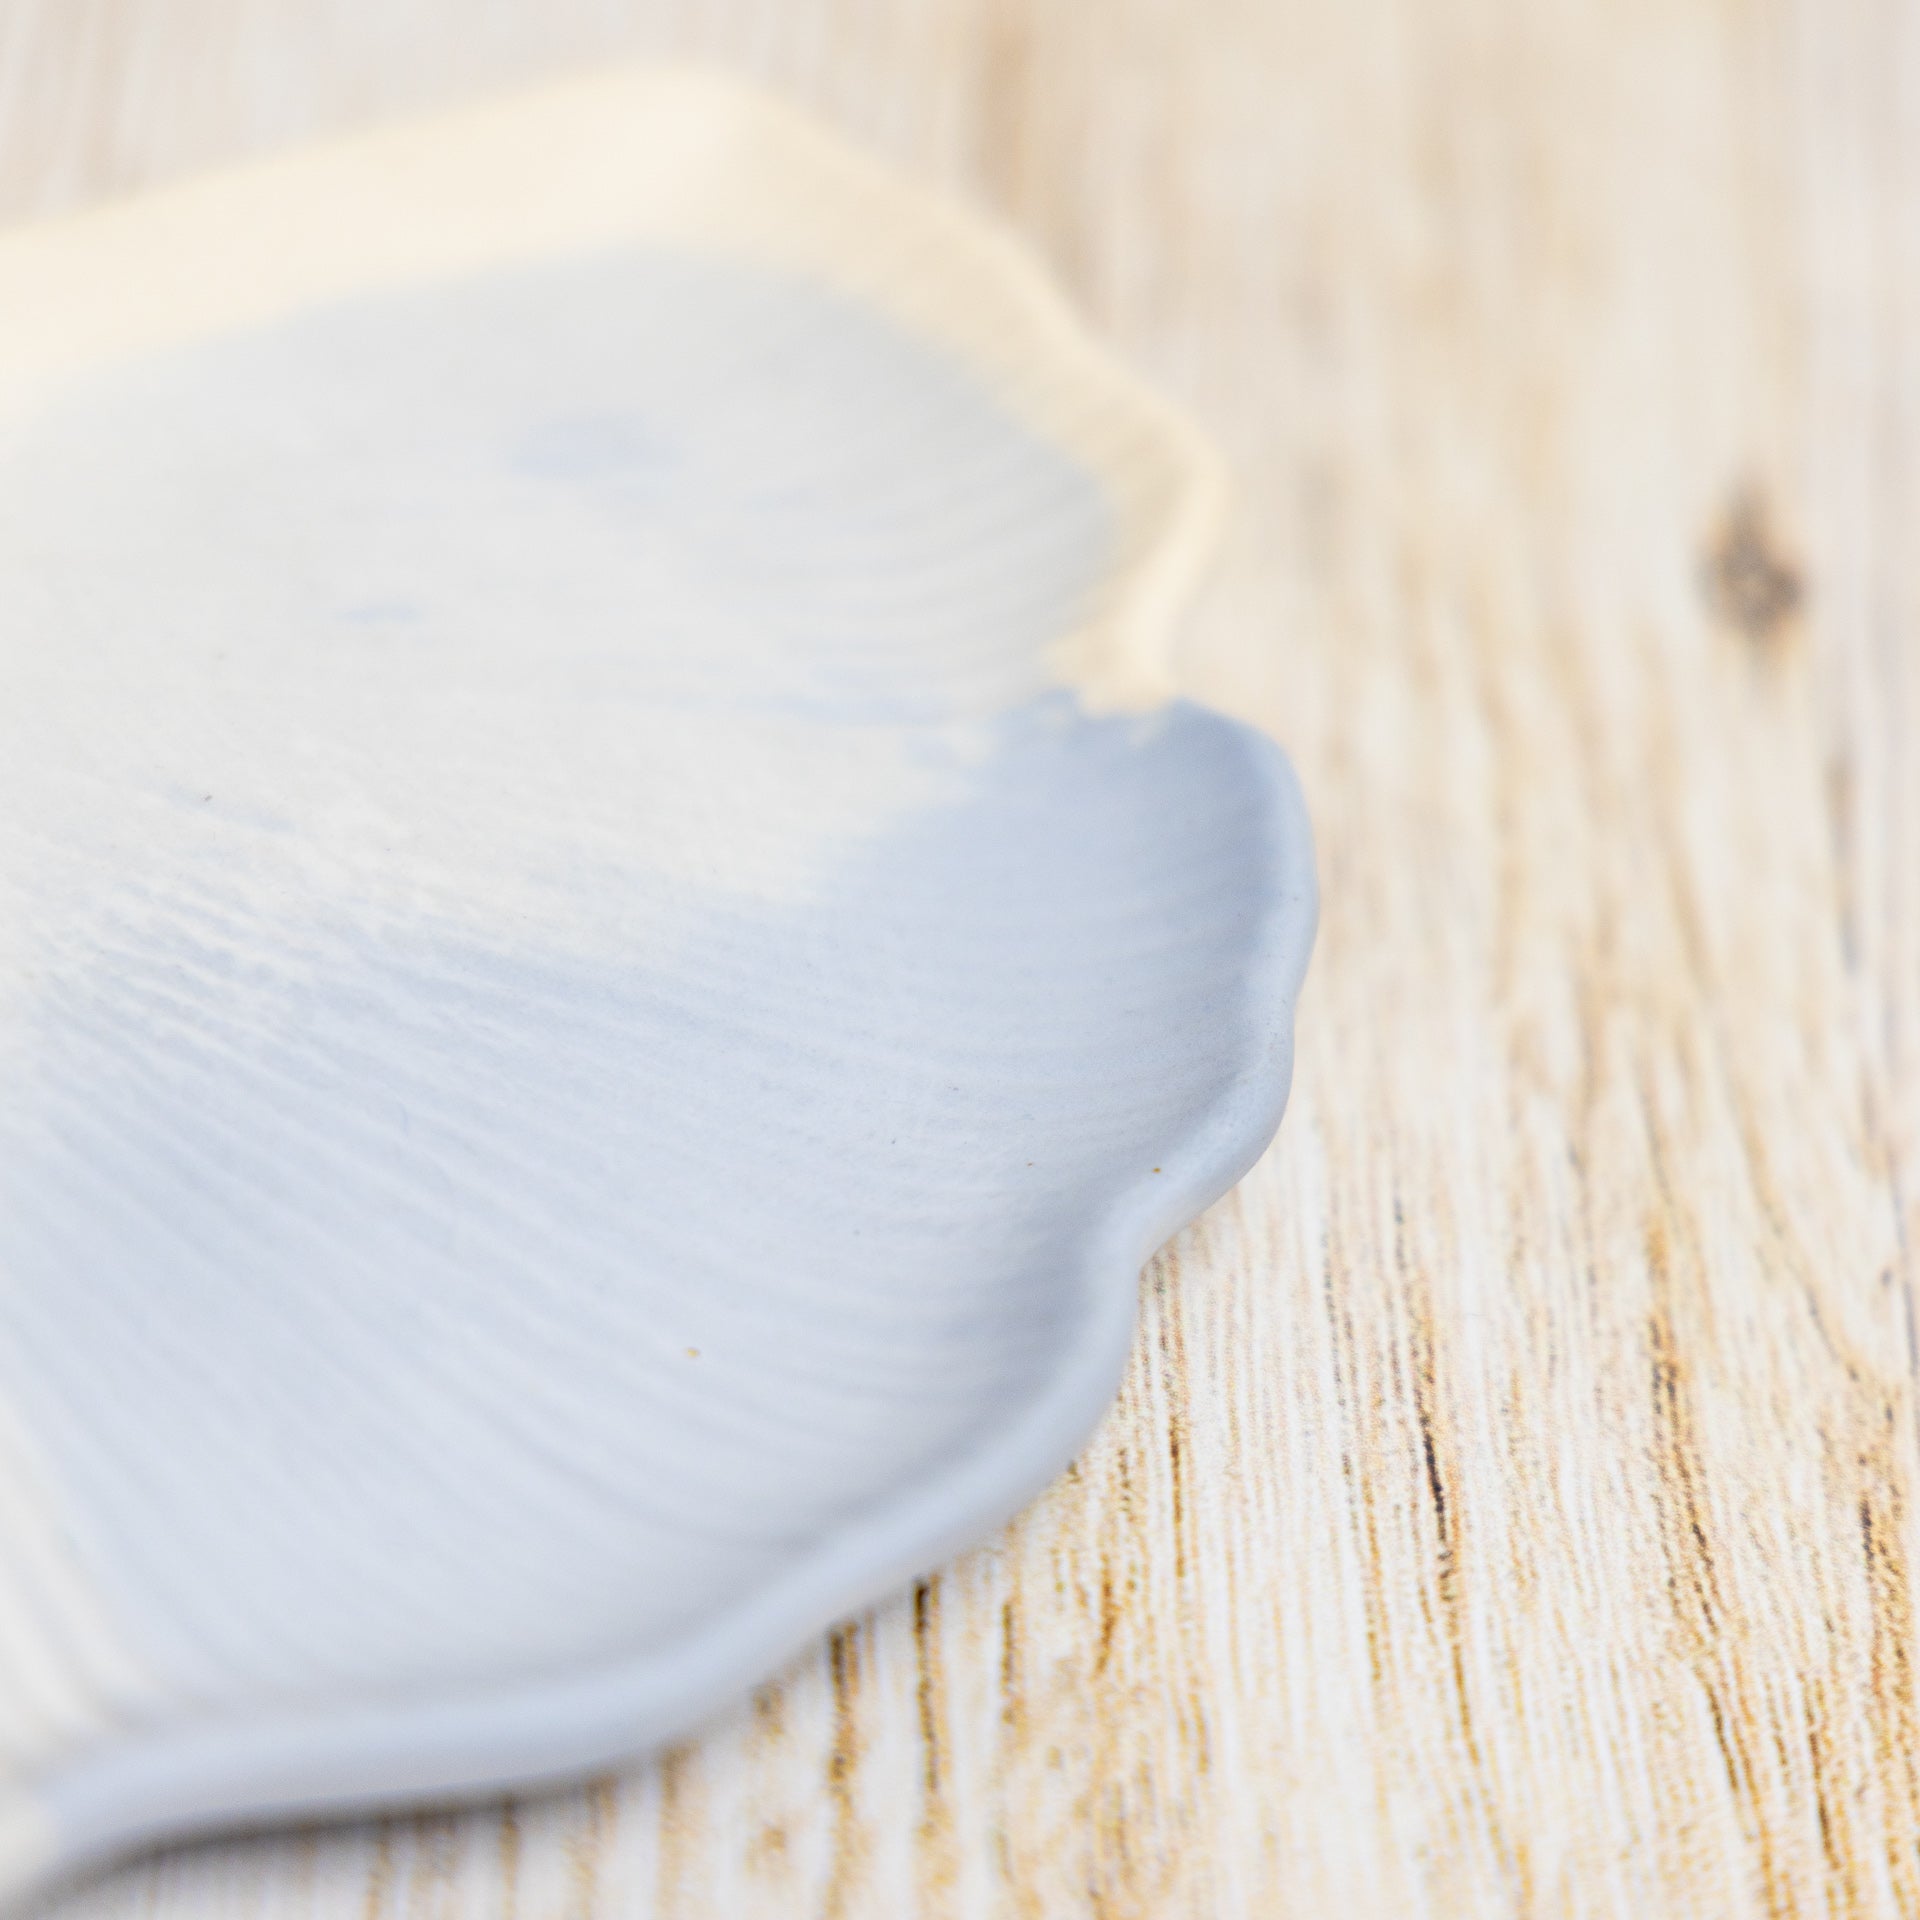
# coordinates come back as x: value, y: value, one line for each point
x: 1511, y: 1508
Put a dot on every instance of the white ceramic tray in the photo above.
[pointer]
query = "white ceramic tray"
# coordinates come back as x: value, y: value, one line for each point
x: 611, y: 953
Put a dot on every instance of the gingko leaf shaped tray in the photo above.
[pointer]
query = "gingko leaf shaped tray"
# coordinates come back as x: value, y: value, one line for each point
x: 611, y: 950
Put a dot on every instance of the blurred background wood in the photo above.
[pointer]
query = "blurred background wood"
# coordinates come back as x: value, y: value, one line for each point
x: 1512, y: 1507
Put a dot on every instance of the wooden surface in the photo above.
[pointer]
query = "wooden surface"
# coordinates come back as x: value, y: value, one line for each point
x: 1512, y: 1507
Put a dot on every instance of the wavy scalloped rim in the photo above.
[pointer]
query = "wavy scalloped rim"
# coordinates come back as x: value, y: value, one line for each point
x: 700, y: 162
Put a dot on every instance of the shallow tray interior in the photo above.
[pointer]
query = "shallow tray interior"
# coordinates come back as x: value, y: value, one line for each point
x: 610, y: 952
